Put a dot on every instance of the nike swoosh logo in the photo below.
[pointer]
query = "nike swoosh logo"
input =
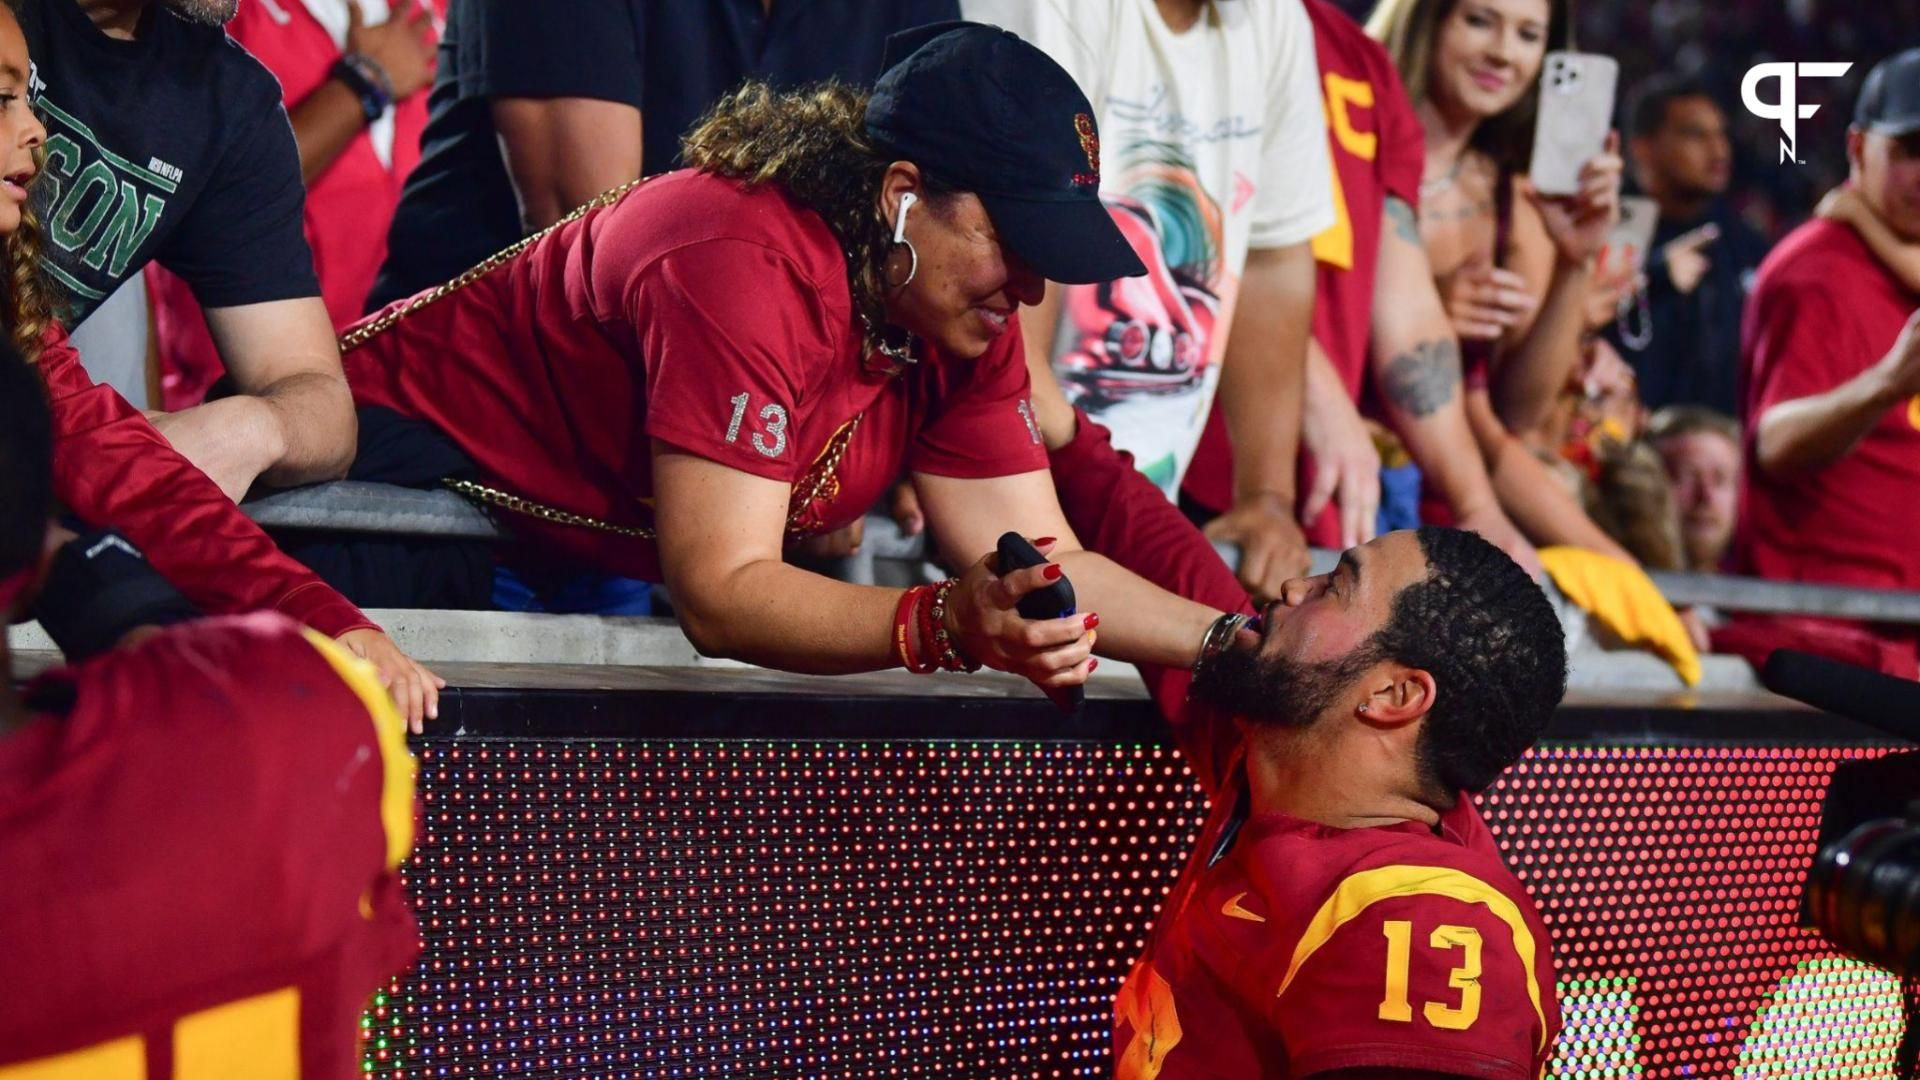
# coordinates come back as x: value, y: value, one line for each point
x: 1233, y: 910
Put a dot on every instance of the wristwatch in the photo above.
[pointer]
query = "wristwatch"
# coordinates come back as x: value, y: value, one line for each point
x: 368, y: 81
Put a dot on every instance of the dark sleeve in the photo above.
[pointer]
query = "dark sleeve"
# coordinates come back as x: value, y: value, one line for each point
x: 1659, y: 274
x: 1118, y: 512
x: 112, y: 468
x: 556, y: 48
x: 243, y: 240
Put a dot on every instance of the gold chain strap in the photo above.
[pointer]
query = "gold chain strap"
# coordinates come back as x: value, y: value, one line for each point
x: 822, y: 476
x: 822, y: 479
x: 481, y: 493
x: 359, y: 335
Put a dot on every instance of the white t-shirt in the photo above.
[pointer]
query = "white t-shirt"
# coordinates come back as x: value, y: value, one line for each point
x: 1212, y: 142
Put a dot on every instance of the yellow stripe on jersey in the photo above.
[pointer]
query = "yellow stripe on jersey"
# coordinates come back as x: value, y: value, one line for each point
x: 396, y: 792
x: 1362, y: 890
x: 121, y: 1059
x: 256, y: 1037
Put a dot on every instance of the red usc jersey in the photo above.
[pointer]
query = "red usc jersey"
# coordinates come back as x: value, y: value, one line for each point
x: 1378, y: 150
x: 1290, y: 948
x: 1307, y: 948
x: 713, y: 317
x: 199, y: 840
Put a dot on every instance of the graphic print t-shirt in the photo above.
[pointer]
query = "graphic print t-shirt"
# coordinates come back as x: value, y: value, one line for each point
x: 1212, y: 143
x: 171, y: 147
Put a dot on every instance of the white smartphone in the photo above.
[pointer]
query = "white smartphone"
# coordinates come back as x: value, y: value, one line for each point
x: 1576, y: 112
x: 1639, y: 217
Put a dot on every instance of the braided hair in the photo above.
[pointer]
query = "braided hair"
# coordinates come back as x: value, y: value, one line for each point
x: 1486, y: 632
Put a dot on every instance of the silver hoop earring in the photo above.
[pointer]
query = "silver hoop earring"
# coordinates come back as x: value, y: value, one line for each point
x: 913, y: 266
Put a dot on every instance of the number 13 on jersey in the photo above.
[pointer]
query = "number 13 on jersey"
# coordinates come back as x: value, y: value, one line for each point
x: 1464, y: 978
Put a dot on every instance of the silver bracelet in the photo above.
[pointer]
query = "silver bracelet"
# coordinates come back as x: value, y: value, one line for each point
x: 1218, y: 637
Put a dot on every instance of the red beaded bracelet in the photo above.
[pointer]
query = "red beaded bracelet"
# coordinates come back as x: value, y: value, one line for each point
x: 906, y: 626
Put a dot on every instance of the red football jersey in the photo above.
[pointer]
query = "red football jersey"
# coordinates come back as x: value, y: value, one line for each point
x: 1308, y: 948
x: 199, y: 843
x: 1291, y: 948
x: 706, y: 314
x: 1823, y: 310
x: 1378, y: 150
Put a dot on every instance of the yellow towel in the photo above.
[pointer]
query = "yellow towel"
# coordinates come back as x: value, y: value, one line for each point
x: 1624, y: 600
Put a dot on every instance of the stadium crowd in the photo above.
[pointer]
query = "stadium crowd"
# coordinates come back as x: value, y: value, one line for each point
x: 683, y: 293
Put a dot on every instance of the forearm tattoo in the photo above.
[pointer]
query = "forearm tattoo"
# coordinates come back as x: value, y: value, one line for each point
x: 1422, y: 379
x: 1405, y: 220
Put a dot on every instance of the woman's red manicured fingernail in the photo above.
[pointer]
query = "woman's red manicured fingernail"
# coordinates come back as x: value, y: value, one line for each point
x: 1091, y: 664
x: 1045, y: 540
x: 1053, y: 572
x: 1092, y: 620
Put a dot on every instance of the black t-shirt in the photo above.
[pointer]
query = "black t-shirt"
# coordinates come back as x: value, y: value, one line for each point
x: 671, y: 59
x: 173, y: 146
x: 1685, y: 348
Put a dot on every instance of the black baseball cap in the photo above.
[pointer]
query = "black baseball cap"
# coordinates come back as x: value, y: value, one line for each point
x: 1890, y: 99
x: 986, y: 112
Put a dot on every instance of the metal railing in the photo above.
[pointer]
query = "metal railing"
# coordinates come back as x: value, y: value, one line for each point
x: 887, y: 556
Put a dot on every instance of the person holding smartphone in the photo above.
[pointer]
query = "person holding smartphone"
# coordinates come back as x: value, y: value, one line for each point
x: 1513, y: 265
x: 689, y: 375
x: 1510, y: 266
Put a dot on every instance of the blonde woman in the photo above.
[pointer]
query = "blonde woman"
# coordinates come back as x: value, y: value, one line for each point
x: 1513, y: 266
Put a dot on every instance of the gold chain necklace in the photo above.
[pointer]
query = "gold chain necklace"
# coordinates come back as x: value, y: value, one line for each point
x: 822, y: 478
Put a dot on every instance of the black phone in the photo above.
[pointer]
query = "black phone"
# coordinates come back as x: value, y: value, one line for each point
x: 1053, y: 602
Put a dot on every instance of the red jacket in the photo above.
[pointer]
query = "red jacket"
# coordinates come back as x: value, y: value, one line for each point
x: 110, y: 467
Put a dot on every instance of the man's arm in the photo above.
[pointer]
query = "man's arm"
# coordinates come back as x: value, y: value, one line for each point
x: 1262, y: 389
x: 561, y: 152
x: 1346, y: 464
x: 1810, y: 432
x: 1416, y: 365
x: 293, y: 421
x: 326, y: 121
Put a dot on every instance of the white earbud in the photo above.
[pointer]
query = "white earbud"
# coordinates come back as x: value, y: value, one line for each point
x: 900, y: 223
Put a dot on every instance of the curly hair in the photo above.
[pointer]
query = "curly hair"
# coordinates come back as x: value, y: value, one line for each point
x: 1409, y: 30
x: 29, y: 295
x: 1491, y: 640
x: 813, y: 142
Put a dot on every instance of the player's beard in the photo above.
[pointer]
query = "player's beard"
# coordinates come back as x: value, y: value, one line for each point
x: 1279, y: 689
x: 204, y: 12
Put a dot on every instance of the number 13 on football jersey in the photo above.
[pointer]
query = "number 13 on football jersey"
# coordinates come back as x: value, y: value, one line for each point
x: 1464, y: 978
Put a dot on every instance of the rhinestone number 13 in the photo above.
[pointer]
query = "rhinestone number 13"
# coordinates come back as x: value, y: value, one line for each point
x: 776, y: 424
